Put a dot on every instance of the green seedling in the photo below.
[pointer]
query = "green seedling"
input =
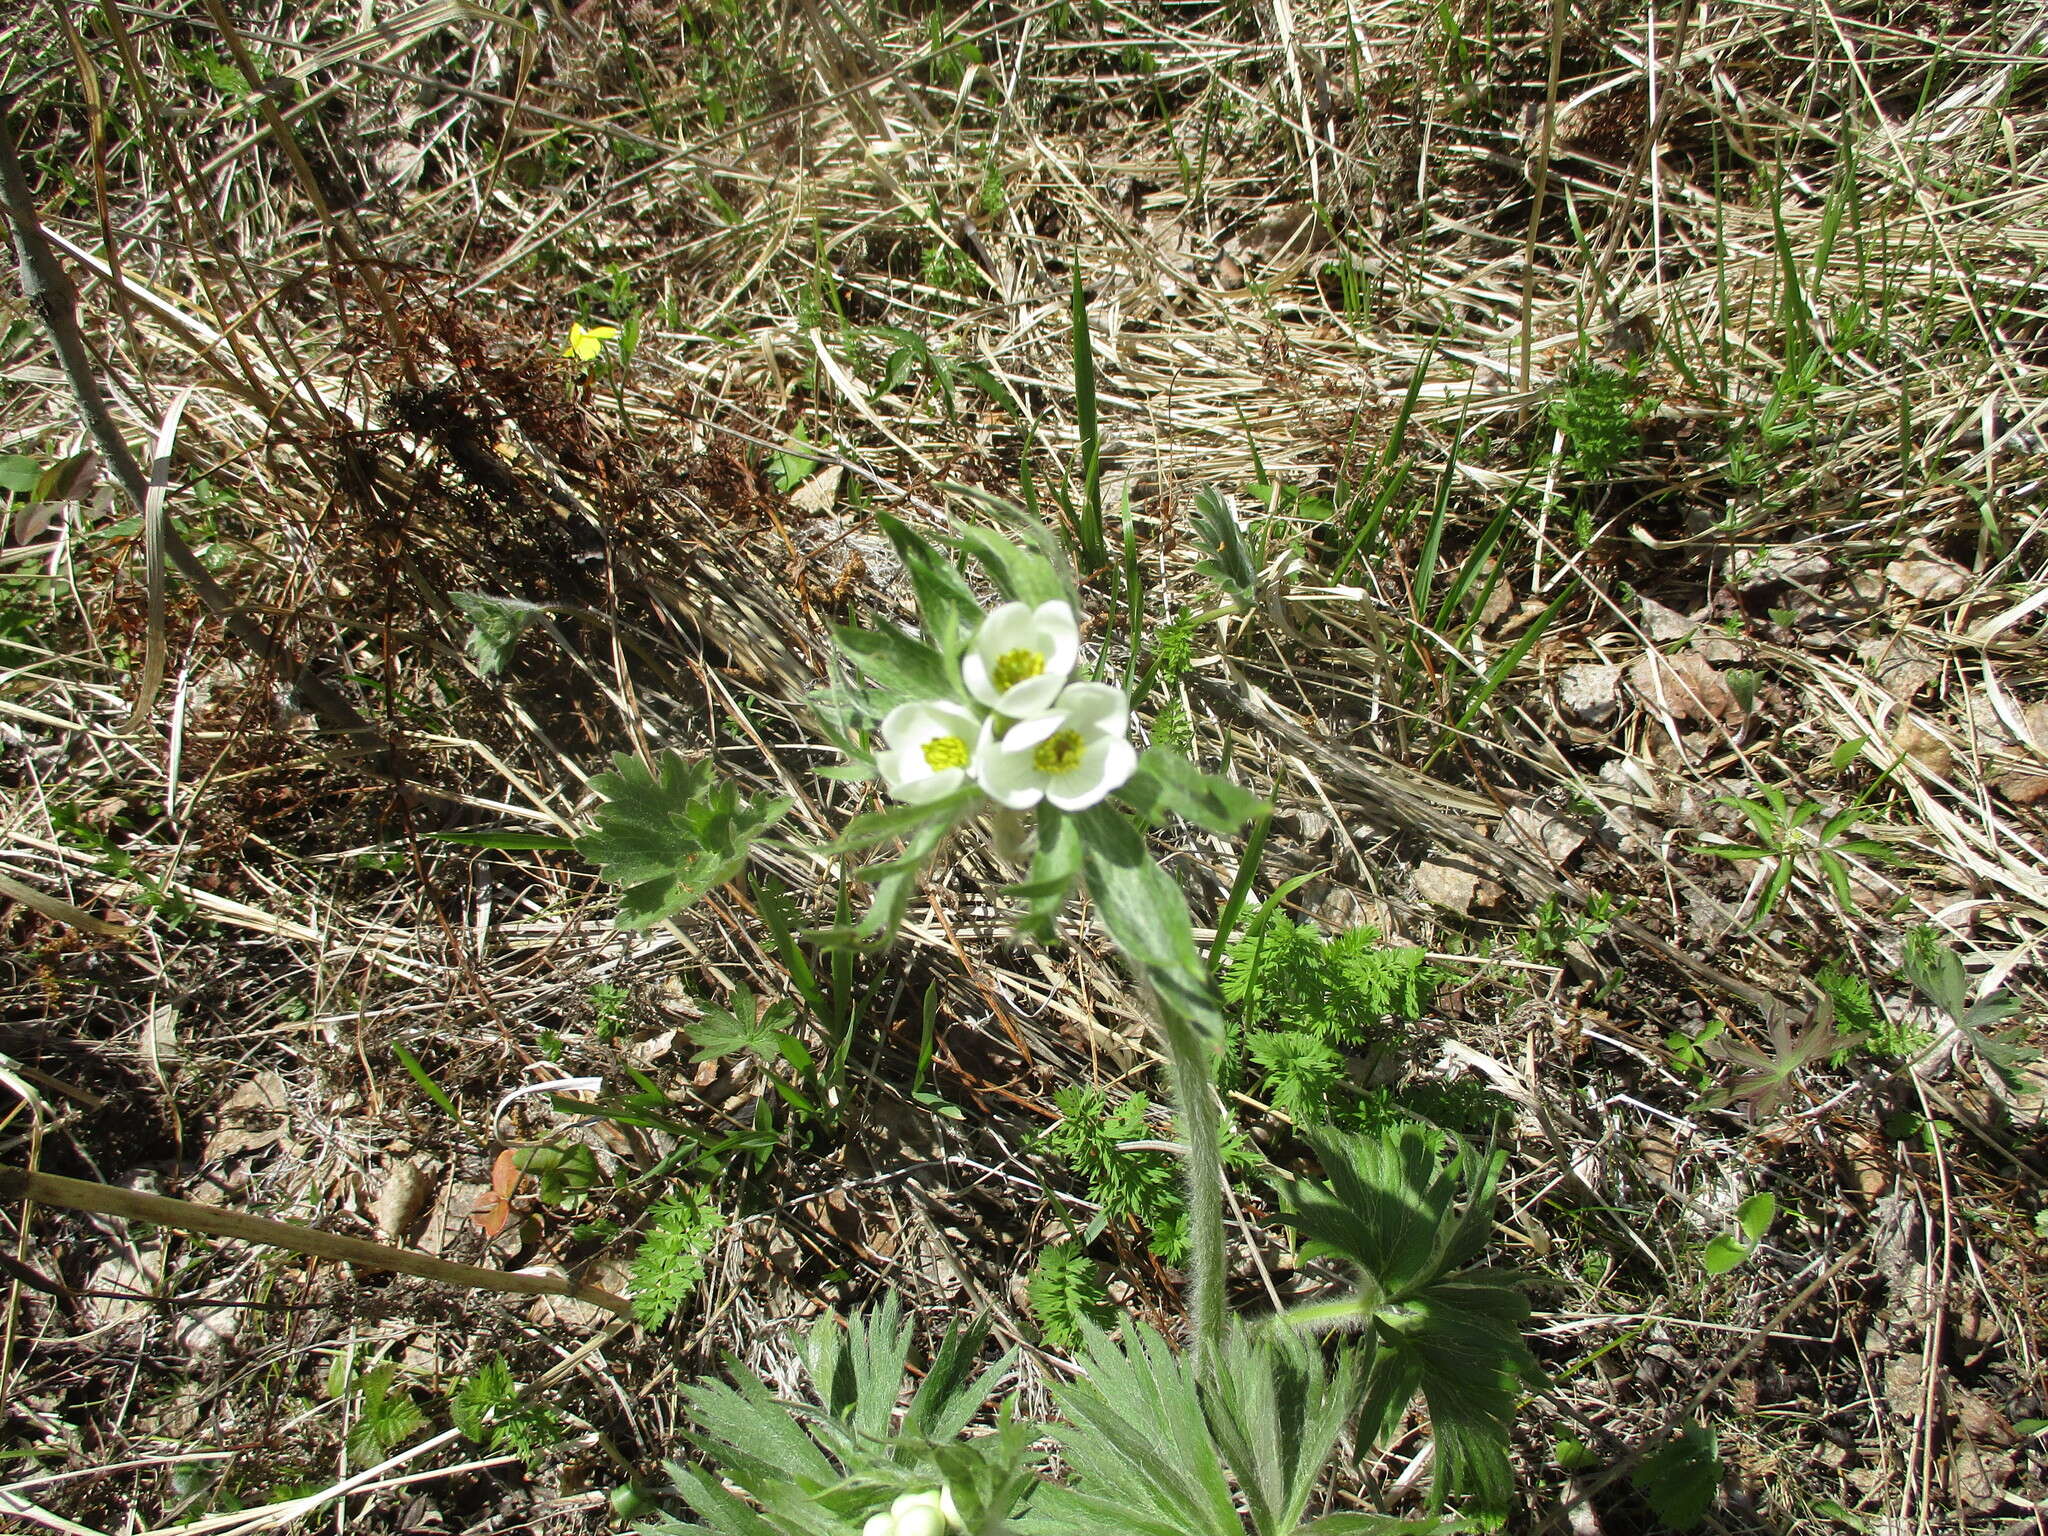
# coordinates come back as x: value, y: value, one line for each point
x: 1793, y: 835
x: 1753, y: 1219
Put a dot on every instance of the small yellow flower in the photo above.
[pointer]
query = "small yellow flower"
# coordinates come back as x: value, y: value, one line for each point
x: 586, y: 342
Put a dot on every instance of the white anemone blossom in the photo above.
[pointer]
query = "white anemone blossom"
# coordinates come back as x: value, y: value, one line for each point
x: 1021, y: 656
x: 1071, y: 756
x: 916, y: 1514
x: 929, y: 752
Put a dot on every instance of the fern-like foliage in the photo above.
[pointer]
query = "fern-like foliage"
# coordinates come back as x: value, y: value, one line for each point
x: 1138, y: 1186
x: 670, y: 1259
x: 840, y: 1452
x: 1345, y: 990
x: 1065, y: 1291
x: 1142, y: 1186
x: 1302, y: 1073
x: 488, y: 1408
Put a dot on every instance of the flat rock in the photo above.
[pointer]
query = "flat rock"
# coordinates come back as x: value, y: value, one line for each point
x: 1457, y: 888
x: 1663, y: 624
x: 1929, y: 580
x: 1531, y: 831
x: 1781, y: 565
x: 1589, y: 694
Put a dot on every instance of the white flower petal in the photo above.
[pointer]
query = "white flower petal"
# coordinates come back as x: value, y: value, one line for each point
x: 1010, y: 779
x: 1026, y: 734
x: 1095, y: 706
x: 1049, y: 632
x: 1106, y: 763
x: 974, y: 674
x: 1033, y: 696
x: 933, y: 786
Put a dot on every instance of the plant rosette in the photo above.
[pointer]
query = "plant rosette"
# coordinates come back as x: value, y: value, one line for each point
x: 929, y: 750
x: 1069, y: 757
x: 1020, y: 658
x: 930, y: 1513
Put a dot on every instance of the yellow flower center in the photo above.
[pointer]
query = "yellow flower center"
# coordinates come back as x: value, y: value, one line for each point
x: 1058, y: 753
x: 1013, y: 667
x: 943, y: 752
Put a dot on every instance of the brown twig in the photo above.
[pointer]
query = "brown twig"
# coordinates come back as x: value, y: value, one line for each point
x: 189, y: 1216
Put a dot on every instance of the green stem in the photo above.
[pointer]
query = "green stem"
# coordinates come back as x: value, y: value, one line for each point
x: 1201, y: 1129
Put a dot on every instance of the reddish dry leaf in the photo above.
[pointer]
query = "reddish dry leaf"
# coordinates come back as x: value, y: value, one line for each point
x: 494, y: 1210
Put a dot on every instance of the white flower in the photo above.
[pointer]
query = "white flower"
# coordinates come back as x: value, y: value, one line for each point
x: 1072, y: 756
x: 930, y: 750
x: 1021, y: 656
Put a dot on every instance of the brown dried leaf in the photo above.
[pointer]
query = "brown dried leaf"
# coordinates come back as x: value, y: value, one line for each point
x: 1684, y: 686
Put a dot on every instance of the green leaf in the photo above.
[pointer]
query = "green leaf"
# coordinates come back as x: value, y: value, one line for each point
x: 566, y: 1174
x: 1382, y: 1525
x: 1055, y: 867
x: 1465, y: 1335
x: 895, y: 880
x: 670, y: 1260
x: 898, y: 664
x: 1680, y: 1479
x: 1722, y: 1254
x: 944, y: 600
x: 496, y: 623
x: 1230, y: 565
x: 872, y: 827
x: 790, y: 465
x: 1756, y: 1214
x: 745, y: 1029
x: 1022, y: 575
x: 1064, y: 1290
x: 671, y: 839
x: 1167, y: 783
x: 1276, y: 1411
x: 1147, y: 915
x: 19, y: 473
x: 1137, y: 1435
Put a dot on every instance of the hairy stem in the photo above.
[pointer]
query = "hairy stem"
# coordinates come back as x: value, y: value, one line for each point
x: 1201, y: 1128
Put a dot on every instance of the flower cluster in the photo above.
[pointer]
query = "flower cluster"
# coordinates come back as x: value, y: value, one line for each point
x: 1030, y: 734
x: 916, y: 1514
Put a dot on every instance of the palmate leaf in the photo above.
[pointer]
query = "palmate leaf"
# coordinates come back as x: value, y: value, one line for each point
x: 1138, y: 1441
x: 1276, y: 1411
x: 745, y: 1028
x: 670, y: 839
x: 1407, y: 1219
x: 1679, y: 1479
x: 1463, y: 1336
x: 1768, y: 1075
x: 822, y: 1462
